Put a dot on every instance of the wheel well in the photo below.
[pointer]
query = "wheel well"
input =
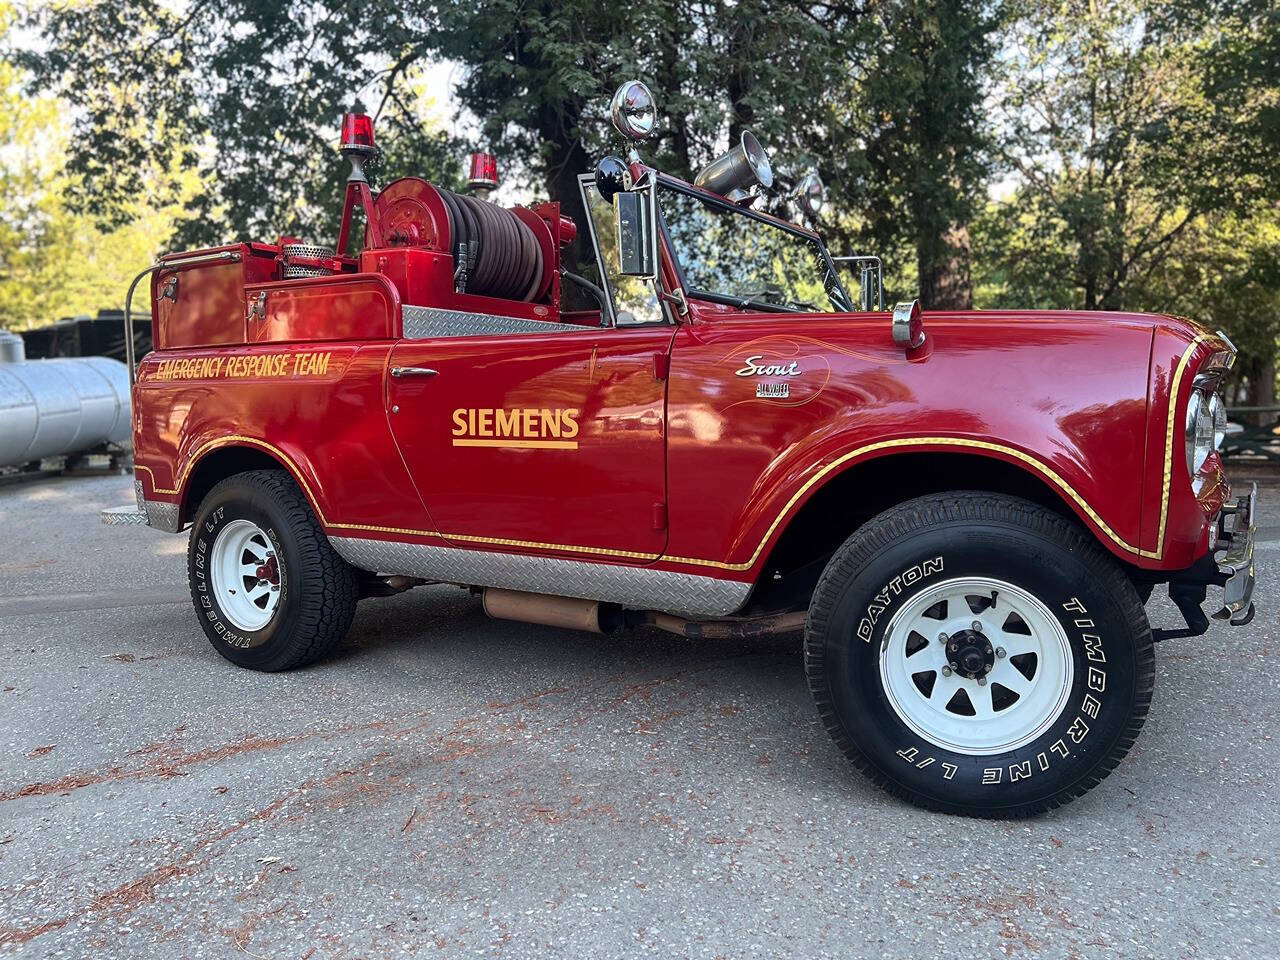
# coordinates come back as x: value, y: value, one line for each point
x: 217, y: 466
x: 853, y: 497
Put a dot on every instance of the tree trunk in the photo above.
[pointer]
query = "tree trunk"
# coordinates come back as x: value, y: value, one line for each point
x: 1261, y: 390
x: 674, y: 50
x: 943, y: 263
x: 566, y: 159
x: 739, y: 81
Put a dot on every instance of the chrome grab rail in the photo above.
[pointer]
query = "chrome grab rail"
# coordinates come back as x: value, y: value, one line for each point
x: 229, y: 256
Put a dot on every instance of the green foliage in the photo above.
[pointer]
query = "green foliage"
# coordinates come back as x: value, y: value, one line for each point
x: 924, y: 146
x: 1115, y: 144
x: 1142, y: 137
x: 250, y: 92
x: 1082, y: 153
x: 56, y: 261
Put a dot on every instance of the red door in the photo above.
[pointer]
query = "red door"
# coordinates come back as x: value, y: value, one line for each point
x: 538, y: 440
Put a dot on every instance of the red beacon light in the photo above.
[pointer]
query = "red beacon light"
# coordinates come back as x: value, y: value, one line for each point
x: 357, y: 134
x: 357, y: 146
x: 482, y: 173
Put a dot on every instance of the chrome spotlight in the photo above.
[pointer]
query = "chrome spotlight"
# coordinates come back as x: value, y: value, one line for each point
x: 634, y: 111
x: 811, y: 194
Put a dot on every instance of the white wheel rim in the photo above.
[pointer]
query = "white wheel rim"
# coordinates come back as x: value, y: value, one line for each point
x: 245, y: 575
x: 1025, y: 690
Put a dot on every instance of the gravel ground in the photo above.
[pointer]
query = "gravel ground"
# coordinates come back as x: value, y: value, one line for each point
x: 453, y: 785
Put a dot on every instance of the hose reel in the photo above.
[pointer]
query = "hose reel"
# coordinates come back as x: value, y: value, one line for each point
x: 497, y: 252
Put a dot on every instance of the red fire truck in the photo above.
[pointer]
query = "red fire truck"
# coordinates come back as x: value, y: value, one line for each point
x: 964, y: 511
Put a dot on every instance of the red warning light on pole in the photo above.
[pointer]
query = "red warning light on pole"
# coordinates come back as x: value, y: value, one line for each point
x: 482, y: 171
x: 357, y: 133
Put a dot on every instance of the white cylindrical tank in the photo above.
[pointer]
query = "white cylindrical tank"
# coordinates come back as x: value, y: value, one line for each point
x: 61, y: 406
x: 12, y: 348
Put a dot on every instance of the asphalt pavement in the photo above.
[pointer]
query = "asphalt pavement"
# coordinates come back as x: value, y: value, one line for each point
x: 448, y: 785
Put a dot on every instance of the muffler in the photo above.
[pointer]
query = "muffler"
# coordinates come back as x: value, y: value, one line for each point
x: 566, y: 612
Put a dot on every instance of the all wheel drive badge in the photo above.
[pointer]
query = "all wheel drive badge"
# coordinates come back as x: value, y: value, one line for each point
x: 773, y: 391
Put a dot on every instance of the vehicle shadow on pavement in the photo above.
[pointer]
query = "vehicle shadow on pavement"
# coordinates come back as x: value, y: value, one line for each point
x: 696, y: 710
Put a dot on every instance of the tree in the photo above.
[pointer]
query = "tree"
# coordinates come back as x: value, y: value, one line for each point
x: 1116, y: 145
x: 247, y: 92
x: 1141, y: 166
x: 55, y: 261
x: 251, y: 91
x: 925, y: 142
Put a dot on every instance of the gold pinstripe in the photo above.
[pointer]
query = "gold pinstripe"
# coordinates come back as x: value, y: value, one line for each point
x: 1169, y: 436
x: 925, y: 441
x: 372, y: 528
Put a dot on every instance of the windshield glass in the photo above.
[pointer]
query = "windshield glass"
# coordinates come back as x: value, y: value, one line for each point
x: 732, y: 256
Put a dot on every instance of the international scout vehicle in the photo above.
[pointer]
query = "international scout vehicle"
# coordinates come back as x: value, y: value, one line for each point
x: 965, y: 511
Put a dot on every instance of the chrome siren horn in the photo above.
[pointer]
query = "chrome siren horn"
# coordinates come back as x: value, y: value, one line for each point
x: 732, y: 173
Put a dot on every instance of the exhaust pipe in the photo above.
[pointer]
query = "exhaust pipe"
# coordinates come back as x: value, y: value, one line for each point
x: 592, y: 616
x: 549, y: 611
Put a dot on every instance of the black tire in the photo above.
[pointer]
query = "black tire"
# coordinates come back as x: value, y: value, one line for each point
x: 912, y: 551
x: 317, y: 588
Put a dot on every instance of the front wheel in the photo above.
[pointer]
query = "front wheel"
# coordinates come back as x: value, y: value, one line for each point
x: 269, y: 590
x: 979, y: 654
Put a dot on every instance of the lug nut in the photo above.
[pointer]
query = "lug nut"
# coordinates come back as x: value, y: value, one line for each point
x: 1000, y: 651
x: 946, y: 671
x: 982, y: 681
x: 988, y: 648
x: 951, y: 646
x: 977, y: 626
x: 942, y: 638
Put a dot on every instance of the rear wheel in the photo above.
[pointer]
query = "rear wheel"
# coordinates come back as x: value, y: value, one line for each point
x: 979, y: 654
x: 269, y: 590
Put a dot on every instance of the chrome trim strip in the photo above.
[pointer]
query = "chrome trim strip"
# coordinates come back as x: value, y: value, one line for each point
x: 639, y: 588
x: 424, y: 323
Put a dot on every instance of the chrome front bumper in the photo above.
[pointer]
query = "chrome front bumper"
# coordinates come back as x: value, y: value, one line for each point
x: 1234, y: 557
x: 1227, y: 566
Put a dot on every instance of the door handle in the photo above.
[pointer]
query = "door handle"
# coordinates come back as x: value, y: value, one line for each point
x: 413, y: 372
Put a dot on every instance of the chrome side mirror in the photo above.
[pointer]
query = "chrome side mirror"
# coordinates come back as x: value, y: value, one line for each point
x: 908, y: 325
x: 637, y: 216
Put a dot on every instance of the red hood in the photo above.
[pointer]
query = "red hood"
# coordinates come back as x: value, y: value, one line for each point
x: 1180, y: 327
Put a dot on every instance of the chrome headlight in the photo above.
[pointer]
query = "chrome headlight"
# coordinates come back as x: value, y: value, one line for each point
x: 1201, y: 430
x: 1218, y: 410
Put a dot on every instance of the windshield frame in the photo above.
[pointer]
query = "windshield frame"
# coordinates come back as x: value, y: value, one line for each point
x: 609, y: 310
x: 769, y: 221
